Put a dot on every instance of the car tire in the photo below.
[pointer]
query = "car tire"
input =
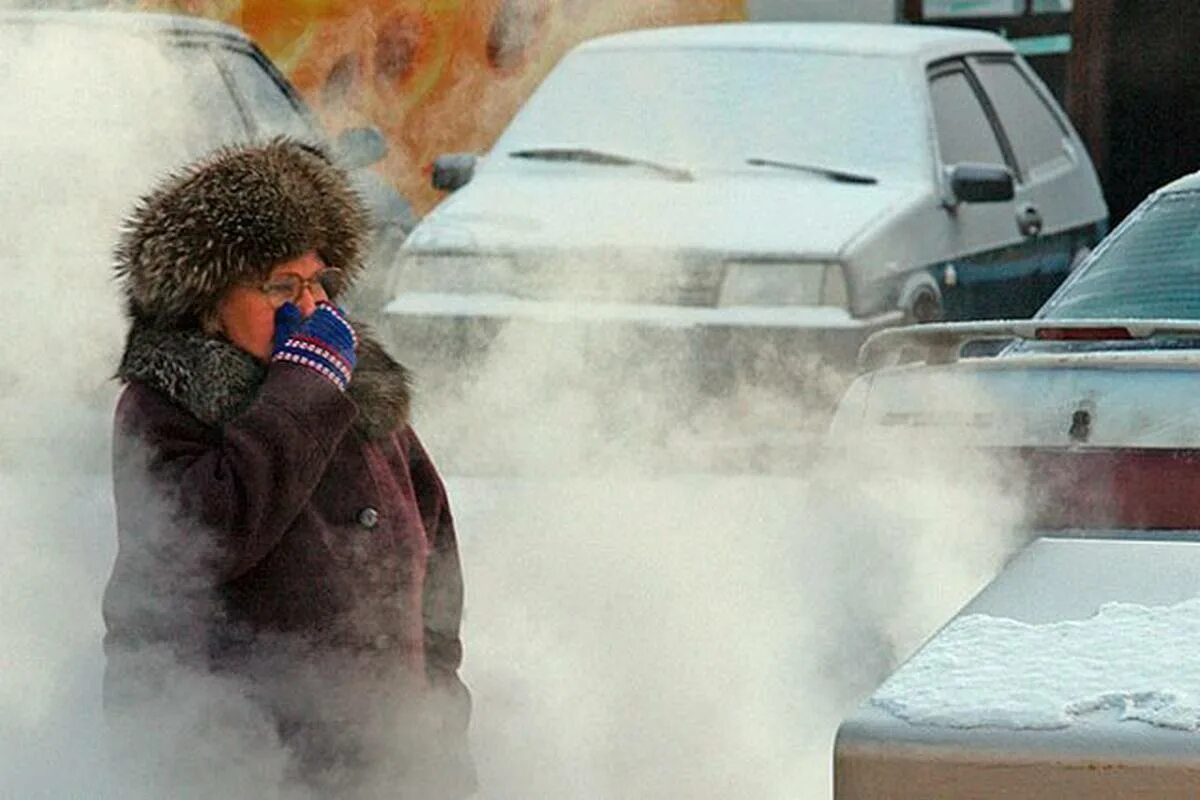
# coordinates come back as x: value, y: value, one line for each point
x: 926, y: 307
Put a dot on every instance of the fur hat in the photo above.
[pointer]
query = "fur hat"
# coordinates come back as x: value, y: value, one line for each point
x: 232, y: 217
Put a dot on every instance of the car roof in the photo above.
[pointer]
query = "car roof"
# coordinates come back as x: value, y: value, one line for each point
x: 927, y: 43
x: 151, y: 23
x: 1186, y: 183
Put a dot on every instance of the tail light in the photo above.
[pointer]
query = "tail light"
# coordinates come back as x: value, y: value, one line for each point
x: 1146, y: 489
x: 1097, y: 334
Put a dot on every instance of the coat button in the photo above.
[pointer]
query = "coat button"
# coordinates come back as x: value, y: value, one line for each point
x: 368, y: 518
x: 382, y: 641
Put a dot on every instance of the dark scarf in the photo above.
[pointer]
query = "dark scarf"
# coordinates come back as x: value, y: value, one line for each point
x: 215, y: 381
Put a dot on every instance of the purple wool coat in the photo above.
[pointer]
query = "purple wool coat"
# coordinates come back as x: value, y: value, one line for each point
x: 278, y: 531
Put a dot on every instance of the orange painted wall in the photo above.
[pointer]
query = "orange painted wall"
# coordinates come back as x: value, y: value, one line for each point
x: 435, y: 75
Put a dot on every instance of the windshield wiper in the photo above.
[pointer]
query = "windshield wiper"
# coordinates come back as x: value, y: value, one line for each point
x: 587, y: 156
x: 834, y: 174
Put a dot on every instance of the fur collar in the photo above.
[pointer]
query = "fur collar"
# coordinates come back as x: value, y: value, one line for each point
x: 215, y: 381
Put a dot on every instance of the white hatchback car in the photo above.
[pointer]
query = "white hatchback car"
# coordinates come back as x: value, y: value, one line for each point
x: 804, y: 184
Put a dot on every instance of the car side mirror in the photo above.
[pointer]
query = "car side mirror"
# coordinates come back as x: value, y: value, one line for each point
x: 981, y: 183
x: 453, y: 171
x: 360, y: 147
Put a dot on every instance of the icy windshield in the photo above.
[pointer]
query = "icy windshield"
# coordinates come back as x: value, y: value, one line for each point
x: 716, y: 108
x: 1150, y: 269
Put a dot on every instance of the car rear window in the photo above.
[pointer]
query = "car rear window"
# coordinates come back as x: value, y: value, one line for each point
x: 1149, y: 269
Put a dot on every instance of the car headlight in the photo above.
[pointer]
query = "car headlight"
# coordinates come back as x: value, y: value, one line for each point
x: 453, y: 273
x: 751, y: 283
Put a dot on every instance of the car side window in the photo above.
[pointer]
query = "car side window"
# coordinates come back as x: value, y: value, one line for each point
x: 271, y: 110
x: 1032, y: 130
x: 964, y: 131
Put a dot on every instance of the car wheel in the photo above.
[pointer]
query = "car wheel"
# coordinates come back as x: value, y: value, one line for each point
x: 926, y: 307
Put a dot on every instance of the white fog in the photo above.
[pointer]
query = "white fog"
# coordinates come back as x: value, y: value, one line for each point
x: 643, y: 619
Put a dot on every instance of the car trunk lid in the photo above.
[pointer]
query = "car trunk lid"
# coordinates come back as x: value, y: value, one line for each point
x: 1096, y: 437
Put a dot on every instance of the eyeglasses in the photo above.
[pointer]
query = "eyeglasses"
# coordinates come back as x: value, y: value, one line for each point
x: 288, y: 287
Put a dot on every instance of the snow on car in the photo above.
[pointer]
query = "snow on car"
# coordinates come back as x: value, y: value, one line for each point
x: 1071, y: 675
x: 718, y: 192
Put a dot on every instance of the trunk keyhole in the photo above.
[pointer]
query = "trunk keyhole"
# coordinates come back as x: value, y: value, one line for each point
x: 1081, y: 425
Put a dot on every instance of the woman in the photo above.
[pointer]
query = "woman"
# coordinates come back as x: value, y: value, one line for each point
x: 279, y: 524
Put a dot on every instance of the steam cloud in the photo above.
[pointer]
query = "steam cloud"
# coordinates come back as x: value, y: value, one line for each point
x: 639, y: 623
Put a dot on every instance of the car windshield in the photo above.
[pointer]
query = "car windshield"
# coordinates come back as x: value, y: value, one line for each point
x: 92, y: 118
x: 1149, y: 269
x: 73, y: 95
x: 716, y: 108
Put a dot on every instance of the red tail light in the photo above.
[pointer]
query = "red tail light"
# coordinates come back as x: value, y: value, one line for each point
x: 1098, y: 334
x: 1113, y: 488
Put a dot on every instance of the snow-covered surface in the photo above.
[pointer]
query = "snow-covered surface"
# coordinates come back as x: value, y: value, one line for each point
x: 984, y: 671
x: 436, y: 304
x: 580, y: 206
x: 715, y: 108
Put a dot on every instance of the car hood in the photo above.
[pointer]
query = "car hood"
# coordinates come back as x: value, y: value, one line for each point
x: 760, y: 213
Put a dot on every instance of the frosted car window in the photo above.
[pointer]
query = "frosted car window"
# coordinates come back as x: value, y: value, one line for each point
x: 1150, y: 269
x: 270, y: 107
x: 964, y: 132
x: 714, y: 108
x: 1034, y: 133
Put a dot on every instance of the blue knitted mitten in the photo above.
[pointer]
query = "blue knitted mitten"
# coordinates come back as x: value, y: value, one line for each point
x: 324, y: 343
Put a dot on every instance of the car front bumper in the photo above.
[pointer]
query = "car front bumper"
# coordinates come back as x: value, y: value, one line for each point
x: 668, y: 385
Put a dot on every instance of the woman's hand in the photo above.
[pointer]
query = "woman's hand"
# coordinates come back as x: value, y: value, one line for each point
x: 324, y: 343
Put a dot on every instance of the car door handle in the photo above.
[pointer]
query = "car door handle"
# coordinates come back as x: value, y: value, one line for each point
x: 1029, y: 221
